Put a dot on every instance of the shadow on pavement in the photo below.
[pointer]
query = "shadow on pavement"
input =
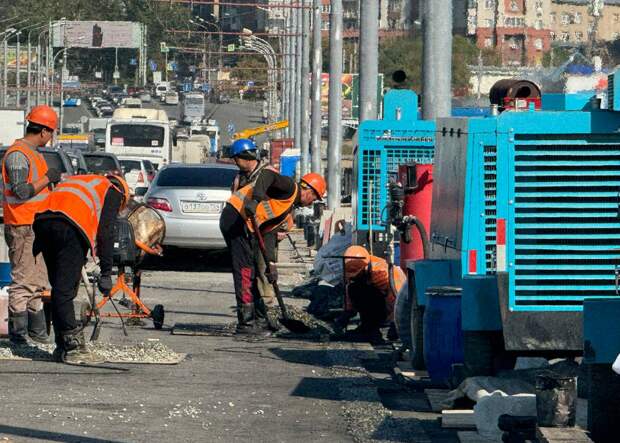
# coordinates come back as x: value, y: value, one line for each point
x: 50, y: 436
x: 315, y: 357
x: 397, y: 429
x: 189, y: 260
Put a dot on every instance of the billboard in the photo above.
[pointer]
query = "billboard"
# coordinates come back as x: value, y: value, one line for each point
x: 350, y: 84
x: 96, y: 34
x: 346, y: 83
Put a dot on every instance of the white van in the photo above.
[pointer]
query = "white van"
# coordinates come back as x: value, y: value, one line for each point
x: 161, y: 89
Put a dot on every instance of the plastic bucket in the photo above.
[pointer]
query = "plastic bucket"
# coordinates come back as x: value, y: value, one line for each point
x: 443, y: 335
x: 556, y: 400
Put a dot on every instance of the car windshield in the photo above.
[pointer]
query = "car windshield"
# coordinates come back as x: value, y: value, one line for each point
x: 144, y: 136
x: 131, y: 165
x: 53, y: 160
x: 196, y: 177
x: 100, y: 163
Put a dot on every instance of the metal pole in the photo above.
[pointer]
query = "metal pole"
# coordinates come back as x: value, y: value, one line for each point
x: 18, y: 68
x: 286, y: 95
x: 298, y: 78
x: 334, y: 150
x: 293, y: 77
x: 115, y: 65
x: 317, y: 61
x: 369, y: 59
x: 37, y: 77
x: 437, y: 69
x: 5, y: 73
x: 305, y: 92
x: 62, y: 88
x: 29, y: 73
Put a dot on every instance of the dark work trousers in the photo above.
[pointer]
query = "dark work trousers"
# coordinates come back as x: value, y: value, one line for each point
x: 239, y: 244
x: 64, y: 251
x: 370, y: 303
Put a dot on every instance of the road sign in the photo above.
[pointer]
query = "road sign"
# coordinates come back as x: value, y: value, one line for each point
x: 250, y: 84
x: 230, y: 128
x: 98, y: 74
x: 153, y: 65
x: 231, y: 47
x: 163, y: 47
x: 206, y: 87
x: 187, y: 87
x: 133, y: 62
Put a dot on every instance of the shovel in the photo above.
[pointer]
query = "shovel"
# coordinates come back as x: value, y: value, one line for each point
x: 295, y: 326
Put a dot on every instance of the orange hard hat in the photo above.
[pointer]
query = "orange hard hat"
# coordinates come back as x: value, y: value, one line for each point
x: 316, y: 182
x: 121, y: 186
x: 356, y: 259
x: 43, y: 115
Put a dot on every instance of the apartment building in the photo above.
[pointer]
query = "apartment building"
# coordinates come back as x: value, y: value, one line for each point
x: 572, y: 22
x: 519, y: 29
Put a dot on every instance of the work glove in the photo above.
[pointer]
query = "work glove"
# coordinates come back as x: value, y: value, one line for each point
x: 53, y: 175
x: 250, y: 208
x: 272, y: 275
x: 105, y: 284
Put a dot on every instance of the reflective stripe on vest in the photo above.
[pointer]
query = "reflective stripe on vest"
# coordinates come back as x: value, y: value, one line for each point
x: 80, y: 199
x: 21, y: 211
x: 273, y: 209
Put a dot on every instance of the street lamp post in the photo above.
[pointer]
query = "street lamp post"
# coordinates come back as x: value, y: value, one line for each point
x: 7, y: 33
x: 263, y: 47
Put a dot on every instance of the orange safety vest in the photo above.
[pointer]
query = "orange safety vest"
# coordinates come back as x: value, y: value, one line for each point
x: 16, y: 210
x: 378, y: 277
x: 80, y: 199
x: 266, y: 210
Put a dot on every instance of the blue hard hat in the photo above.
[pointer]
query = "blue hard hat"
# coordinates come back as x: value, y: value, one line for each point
x: 242, y: 145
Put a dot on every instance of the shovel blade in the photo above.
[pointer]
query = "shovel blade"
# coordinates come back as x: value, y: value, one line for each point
x: 295, y: 326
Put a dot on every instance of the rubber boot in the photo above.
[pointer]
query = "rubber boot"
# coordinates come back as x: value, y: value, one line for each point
x: 264, y: 319
x: 72, y: 349
x: 245, y: 315
x: 18, y: 327
x: 37, y: 328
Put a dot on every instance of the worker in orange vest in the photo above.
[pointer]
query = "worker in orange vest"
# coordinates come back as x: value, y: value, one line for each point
x: 370, y: 291
x: 270, y: 204
x: 26, y: 179
x: 79, y: 215
x: 256, y: 172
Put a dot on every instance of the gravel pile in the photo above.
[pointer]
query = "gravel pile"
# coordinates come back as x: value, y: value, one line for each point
x: 146, y: 352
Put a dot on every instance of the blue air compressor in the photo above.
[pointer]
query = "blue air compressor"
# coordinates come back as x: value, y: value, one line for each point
x: 383, y: 145
x: 526, y: 220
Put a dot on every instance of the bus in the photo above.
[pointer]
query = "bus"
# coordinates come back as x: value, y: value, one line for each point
x: 143, y: 133
x: 193, y: 107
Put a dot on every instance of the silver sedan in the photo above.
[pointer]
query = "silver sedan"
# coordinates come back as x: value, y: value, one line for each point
x: 191, y: 197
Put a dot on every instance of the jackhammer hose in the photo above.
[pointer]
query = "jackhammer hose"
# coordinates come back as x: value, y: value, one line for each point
x: 423, y: 234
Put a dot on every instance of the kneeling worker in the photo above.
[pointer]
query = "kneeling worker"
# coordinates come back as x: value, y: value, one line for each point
x: 369, y: 292
x: 269, y: 205
x: 79, y: 214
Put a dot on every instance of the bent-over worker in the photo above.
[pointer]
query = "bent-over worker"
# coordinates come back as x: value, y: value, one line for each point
x: 256, y: 172
x: 26, y: 178
x: 269, y: 201
x: 369, y: 292
x: 79, y: 216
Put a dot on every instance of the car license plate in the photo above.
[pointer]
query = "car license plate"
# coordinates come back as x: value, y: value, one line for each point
x: 201, y: 207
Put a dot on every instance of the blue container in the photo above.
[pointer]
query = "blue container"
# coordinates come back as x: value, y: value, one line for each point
x: 288, y: 165
x: 5, y: 274
x: 443, y: 336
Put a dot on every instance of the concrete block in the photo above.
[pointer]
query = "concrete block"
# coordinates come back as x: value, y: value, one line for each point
x: 488, y: 409
x: 458, y: 418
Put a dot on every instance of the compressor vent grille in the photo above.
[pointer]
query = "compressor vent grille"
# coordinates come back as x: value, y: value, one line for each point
x: 566, y: 239
x: 376, y: 166
x: 490, y: 206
